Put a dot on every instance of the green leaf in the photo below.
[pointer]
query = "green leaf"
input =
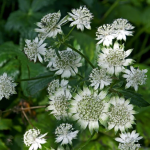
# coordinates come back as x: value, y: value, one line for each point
x: 36, y: 86
x: 2, y: 145
x: 24, y: 5
x: 5, y: 124
x: 136, y: 99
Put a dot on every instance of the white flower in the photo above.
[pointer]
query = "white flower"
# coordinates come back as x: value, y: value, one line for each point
x: 114, y: 58
x: 89, y: 108
x: 59, y: 103
x: 121, y: 114
x: 50, y: 25
x: 65, y: 133
x: 35, y: 49
x: 50, y: 56
x: 105, y: 34
x: 121, y: 27
x: 7, y: 86
x: 54, y: 85
x: 33, y: 139
x: 135, y: 77
x: 68, y: 64
x: 99, y: 77
x: 128, y: 141
x: 81, y: 17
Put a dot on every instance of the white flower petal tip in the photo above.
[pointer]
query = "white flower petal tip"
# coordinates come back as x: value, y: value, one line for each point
x: 33, y: 139
x: 7, y: 86
x: 65, y: 134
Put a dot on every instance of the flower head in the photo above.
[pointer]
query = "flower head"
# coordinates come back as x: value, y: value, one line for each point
x: 114, y: 58
x: 121, y: 114
x: 54, y: 85
x: 35, y: 49
x: 33, y: 139
x: 50, y: 56
x: 135, y: 77
x: 89, y: 108
x: 50, y: 25
x: 121, y: 27
x: 128, y: 141
x: 80, y: 17
x: 59, y: 103
x: 7, y: 86
x: 65, y: 133
x: 99, y: 77
x: 68, y: 64
x: 105, y: 34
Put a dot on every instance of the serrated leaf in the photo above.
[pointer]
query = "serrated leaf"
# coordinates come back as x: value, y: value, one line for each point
x: 24, y: 5
x: 5, y: 124
x: 136, y: 99
x: 36, y: 86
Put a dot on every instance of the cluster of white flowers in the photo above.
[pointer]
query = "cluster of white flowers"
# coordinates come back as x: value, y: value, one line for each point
x: 95, y: 105
x: 7, y: 86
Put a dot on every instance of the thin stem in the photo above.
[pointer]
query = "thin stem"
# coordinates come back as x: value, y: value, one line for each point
x: 34, y: 78
x: 2, y: 9
x: 27, y: 118
x: 79, y: 53
x: 20, y: 109
x: 87, y: 141
x: 70, y: 32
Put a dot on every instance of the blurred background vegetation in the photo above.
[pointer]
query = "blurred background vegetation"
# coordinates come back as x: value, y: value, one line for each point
x: 17, y: 23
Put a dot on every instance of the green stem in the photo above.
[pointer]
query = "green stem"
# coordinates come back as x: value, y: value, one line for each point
x: 111, y: 8
x: 87, y: 141
x: 2, y: 9
x: 79, y: 53
x: 70, y: 32
x: 33, y: 78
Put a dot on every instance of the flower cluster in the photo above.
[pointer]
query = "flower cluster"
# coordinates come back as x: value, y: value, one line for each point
x: 7, y: 86
x: 33, y: 139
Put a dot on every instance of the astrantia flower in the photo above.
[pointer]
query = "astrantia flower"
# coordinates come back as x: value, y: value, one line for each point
x: 135, y: 77
x: 89, y: 108
x: 54, y: 85
x: 65, y: 134
x: 121, y: 27
x: 68, y: 64
x: 34, y: 49
x: 33, y: 139
x: 59, y: 103
x: 50, y: 56
x: 105, y: 34
x: 7, y: 86
x: 114, y: 58
x: 50, y: 25
x: 128, y: 141
x: 81, y: 17
x: 99, y: 77
x: 121, y: 114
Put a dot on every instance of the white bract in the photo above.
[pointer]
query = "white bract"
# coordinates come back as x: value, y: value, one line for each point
x: 59, y: 103
x: 7, y: 86
x: 89, y: 108
x: 65, y: 134
x: 68, y: 63
x: 121, y: 114
x: 50, y: 56
x: 114, y: 59
x: 135, y: 77
x: 105, y: 34
x: 34, y: 49
x: 80, y: 17
x: 128, y: 141
x: 50, y: 25
x: 121, y: 28
x: 33, y: 139
x: 99, y: 78
x: 54, y: 85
